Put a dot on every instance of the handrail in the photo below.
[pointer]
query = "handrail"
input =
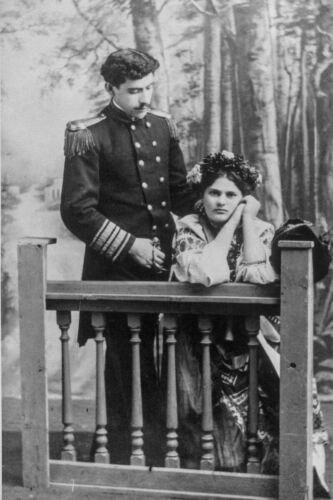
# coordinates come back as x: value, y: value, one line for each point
x: 241, y: 298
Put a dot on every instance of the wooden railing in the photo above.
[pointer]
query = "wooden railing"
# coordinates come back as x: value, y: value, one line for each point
x: 292, y: 299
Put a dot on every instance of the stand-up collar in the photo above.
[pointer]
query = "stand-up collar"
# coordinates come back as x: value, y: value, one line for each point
x: 117, y: 113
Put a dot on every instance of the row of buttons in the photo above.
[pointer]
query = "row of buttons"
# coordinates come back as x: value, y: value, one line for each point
x: 141, y: 162
x: 133, y: 127
x: 150, y: 207
x: 154, y: 228
x: 145, y: 185
x: 138, y: 145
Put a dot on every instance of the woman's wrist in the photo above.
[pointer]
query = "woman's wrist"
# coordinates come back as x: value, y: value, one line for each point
x: 232, y: 223
x: 247, y: 216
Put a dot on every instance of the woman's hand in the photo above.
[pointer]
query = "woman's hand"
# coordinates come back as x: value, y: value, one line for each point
x: 253, y: 249
x: 236, y: 216
x: 251, y: 206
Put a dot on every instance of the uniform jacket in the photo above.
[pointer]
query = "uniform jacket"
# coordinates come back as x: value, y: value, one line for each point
x: 122, y: 178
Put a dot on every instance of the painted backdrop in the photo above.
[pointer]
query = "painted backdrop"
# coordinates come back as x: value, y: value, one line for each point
x: 252, y: 77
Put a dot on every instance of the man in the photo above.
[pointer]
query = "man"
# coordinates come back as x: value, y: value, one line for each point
x: 124, y: 174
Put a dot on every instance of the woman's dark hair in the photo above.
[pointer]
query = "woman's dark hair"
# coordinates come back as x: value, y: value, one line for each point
x: 224, y: 164
x: 210, y: 178
x: 127, y: 64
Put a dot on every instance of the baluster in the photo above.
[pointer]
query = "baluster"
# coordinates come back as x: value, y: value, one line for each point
x: 101, y: 439
x: 172, y: 457
x: 253, y: 454
x: 137, y: 457
x: 68, y: 451
x: 207, y: 461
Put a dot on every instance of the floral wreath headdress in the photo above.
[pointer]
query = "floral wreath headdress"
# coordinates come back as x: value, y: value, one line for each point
x: 226, y: 160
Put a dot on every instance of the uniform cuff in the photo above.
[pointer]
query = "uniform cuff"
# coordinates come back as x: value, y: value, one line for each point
x: 112, y: 241
x: 127, y: 248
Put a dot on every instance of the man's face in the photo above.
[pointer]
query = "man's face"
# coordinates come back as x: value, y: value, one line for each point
x: 134, y: 96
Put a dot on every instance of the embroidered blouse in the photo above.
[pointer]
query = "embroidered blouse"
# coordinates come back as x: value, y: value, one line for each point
x: 197, y: 255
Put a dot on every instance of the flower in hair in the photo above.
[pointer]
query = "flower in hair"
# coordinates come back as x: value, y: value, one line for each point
x: 229, y: 155
x: 259, y: 180
x: 194, y: 176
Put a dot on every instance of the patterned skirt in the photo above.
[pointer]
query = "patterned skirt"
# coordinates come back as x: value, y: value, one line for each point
x: 230, y: 406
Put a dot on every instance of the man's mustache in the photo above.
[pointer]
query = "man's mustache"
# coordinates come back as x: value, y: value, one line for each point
x: 142, y: 106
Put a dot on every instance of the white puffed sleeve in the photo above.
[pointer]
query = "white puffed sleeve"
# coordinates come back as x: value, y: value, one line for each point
x: 260, y: 272
x: 197, y: 261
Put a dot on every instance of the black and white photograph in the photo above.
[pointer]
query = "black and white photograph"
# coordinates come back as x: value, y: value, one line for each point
x: 166, y: 249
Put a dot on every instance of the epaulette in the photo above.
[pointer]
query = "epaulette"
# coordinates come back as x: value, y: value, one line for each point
x: 170, y: 122
x: 78, y: 138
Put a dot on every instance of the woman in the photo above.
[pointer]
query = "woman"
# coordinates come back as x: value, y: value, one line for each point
x: 225, y: 241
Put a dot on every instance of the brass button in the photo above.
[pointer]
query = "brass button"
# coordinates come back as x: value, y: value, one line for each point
x: 137, y: 145
x: 144, y: 185
x: 154, y: 228
x: 154, y: 143
x: 150, y: 208
x: 148, y: 124
x: 158, y: 159
x: 166, y: 226
x: 141, y: 163
x: 162, y: 179
x: 164, y: 203
x: 133, y: 127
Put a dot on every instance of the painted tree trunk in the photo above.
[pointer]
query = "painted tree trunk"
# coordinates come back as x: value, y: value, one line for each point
x: 309, y: 117
x: 289, y: 153
x: 212, y: 85
x: 322, y: 80
x: 287, y: 87
x: 147, y: 35
x: 258, y: 104
x: 305, y: 167
x: 326, y: 163
x: 227, y: 114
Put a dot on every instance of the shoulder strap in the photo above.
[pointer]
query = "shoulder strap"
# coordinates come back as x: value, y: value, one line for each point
x: 78, y: 138
x: 171, y: 124
x: 83, y: 123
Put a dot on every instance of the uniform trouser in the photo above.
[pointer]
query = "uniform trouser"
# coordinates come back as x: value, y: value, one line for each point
x: 118, y: 383
x: 118, y: 360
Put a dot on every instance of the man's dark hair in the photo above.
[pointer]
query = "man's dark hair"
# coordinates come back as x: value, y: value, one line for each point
x: 127, y: 64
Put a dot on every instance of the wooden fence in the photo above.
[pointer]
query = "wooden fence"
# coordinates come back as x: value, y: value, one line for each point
x: 292, y: 299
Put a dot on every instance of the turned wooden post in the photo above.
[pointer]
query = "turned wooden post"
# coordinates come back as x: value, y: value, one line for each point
x: 101, y: 437
x: 296, y: 417
x: 253, y: 454
x: 207, y: 461
x: 172, y: 457
x: 137, y: 456
x: 31, y: 291
x: 68, y: 451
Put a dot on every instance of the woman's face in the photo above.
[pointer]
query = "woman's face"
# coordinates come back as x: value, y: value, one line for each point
x: 220, y: 200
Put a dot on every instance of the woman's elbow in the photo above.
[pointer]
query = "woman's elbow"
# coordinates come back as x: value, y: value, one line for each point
x: 256, y: 276
x: 209, y: 279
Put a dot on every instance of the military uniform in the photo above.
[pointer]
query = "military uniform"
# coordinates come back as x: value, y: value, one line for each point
x: 122, y: 178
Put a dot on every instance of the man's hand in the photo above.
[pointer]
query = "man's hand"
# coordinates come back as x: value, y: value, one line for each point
x: 145, y: 254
